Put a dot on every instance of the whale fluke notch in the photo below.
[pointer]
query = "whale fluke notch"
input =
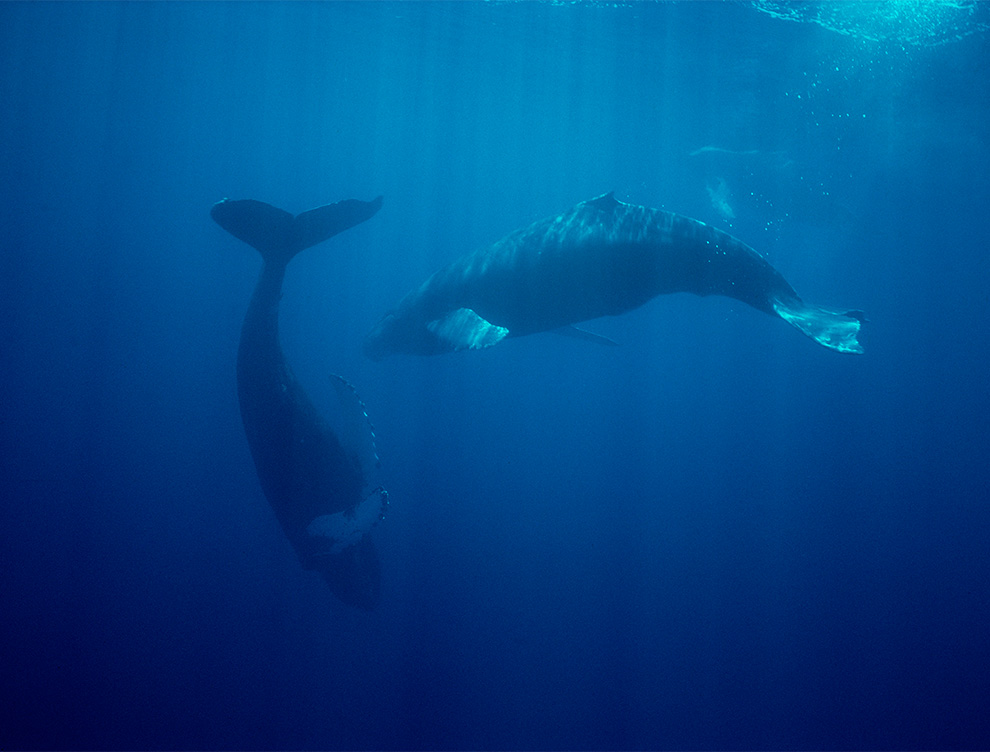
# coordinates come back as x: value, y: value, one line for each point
x: 277, y: 235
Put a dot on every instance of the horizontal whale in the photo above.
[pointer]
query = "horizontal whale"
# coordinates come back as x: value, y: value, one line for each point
x: 601, y: 258
x: 315, y: 478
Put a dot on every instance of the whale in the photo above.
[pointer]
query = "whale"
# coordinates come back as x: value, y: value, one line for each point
x: 316, y: 474
x: 602, y: 257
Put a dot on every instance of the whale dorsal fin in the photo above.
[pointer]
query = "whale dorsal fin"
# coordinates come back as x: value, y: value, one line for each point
x: 605, y: 202
x: 463, y: 329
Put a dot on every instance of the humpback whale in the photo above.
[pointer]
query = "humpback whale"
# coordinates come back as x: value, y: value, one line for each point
x: 603, y: 257
x: 318, y: 488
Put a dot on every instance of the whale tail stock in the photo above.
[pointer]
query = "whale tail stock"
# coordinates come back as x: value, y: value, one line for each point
x: 833, y: 329
x: 279, y: 236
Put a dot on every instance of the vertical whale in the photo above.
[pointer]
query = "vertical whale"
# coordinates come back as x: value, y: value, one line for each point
x: 317, y: 486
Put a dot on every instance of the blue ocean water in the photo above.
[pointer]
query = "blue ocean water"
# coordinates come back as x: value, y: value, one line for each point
x: 718, y: 535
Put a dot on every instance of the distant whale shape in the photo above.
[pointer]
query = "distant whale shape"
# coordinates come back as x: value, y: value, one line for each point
x: 719, y: 195
x: 317, y: 487
x: 601, y: 258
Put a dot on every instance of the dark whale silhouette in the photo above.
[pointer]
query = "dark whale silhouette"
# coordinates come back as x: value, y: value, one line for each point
x: 317, y: 487
x: 601, y: 258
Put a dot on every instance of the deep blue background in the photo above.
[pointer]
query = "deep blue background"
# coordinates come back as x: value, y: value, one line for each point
x: 717, y: 535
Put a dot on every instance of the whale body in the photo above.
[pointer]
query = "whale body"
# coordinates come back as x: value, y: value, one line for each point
x: 317, y: 486
x: 603, y: 257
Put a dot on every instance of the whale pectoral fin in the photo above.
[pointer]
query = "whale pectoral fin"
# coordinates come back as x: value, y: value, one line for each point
x: 349, y: 421
x: 834, y: 330
x: 463, y: 329
x: 331, y: 534
x: 573, y: 331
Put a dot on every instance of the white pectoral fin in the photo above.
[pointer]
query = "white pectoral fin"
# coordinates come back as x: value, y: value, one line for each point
x: 463, y: 329
x: 331, y: 534
x: 836, y: 330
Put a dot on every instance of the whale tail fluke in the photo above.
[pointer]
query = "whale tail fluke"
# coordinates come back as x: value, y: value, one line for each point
x: 279, y: 236
x: 832, y: 329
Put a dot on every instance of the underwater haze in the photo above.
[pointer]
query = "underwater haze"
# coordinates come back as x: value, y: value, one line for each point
x: 716, y: 535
